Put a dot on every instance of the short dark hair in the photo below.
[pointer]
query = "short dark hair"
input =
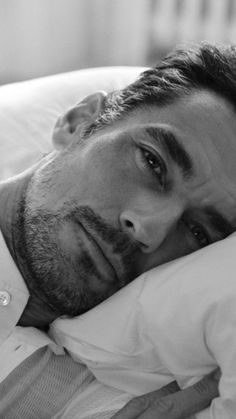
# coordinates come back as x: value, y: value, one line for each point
x: 202, y: 66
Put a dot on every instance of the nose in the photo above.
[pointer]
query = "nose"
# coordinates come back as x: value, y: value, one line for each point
x: 150, y: 226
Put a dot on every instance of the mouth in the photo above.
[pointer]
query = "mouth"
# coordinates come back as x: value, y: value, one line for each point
x: 102, y: 256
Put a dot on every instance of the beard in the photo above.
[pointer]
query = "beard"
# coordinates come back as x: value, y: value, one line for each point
x: 65, y: 279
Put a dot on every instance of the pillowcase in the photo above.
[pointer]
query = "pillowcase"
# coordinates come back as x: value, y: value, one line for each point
x: 29, y: 109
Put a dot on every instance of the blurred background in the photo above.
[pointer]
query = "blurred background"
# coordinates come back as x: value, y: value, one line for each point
x: 42, y: 37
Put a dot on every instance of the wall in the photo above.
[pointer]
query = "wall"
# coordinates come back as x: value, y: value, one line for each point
x: 41, y: 37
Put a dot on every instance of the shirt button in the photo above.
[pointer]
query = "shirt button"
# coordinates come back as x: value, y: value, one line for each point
x: 5, y: 298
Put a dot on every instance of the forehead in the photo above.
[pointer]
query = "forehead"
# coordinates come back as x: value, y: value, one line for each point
x: 201, y: 116
x: 203, y: 121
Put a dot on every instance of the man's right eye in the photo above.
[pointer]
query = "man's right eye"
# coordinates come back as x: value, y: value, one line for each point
x: 155, y: 164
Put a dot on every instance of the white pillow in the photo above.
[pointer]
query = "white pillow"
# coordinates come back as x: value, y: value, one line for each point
x: 177, y: 321
x: 28, y: 110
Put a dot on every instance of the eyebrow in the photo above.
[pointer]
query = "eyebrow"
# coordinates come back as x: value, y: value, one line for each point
x: 173, y: 148
x: 219, y: 222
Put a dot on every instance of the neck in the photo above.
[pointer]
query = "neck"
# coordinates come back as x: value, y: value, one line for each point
x: 38, y: 312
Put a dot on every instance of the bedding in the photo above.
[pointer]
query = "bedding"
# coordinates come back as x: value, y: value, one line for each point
x: 176, y: 321
x: 183, y: 306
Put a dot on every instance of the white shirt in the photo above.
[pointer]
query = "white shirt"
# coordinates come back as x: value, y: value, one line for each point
x: 16, y: 343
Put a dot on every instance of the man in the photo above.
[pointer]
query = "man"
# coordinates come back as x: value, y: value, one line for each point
x: 137, y: 178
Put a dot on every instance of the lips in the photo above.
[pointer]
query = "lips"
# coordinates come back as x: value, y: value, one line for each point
x: 101, y: 255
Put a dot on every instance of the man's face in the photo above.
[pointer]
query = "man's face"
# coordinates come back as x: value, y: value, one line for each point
x: 150, y: 188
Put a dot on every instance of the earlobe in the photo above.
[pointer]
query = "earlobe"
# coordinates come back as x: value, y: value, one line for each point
x: 72, y: 121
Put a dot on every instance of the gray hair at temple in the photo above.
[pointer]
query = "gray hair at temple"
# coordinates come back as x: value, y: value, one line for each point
x: 195, y: 67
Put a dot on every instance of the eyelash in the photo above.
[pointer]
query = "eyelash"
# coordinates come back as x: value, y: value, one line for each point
x: 156, y: 158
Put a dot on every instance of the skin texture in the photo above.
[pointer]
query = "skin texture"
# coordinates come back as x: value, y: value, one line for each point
x: 97, y: 212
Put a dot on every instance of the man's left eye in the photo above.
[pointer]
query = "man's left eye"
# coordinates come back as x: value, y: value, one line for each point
x: 156, y: 165
x: 199, y: 234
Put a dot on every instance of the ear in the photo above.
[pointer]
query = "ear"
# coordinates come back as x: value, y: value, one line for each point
x: 73, y: 120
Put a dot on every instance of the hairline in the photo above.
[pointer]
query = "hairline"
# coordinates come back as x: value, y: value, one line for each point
x: 101, y: 123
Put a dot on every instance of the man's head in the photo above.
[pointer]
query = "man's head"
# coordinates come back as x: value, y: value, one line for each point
x: 137, y: 178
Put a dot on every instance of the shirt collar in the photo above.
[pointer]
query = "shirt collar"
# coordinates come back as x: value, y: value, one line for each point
x: 13, y: 291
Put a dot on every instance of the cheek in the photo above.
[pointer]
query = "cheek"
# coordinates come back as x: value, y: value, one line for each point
x: 103, y: 176
x: 108, y: 176
x: 53, y: 184
x: 107, y: 184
